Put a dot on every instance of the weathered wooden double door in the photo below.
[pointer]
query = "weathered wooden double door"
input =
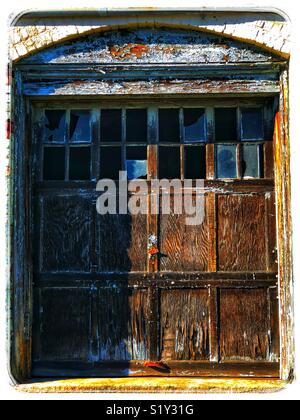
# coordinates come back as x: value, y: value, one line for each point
x: 206, y: 303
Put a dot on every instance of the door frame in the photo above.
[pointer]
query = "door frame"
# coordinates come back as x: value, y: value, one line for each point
x: 20, y: 225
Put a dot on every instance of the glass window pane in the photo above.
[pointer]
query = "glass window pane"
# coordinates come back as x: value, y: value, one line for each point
x: 195, y: 162
x: 136, y: 125
x: 226, y: 124
x: 111, y: 125
x: 169, y: 162
x: 110, y: 162
x: 55, y: 125
x: 54, y: 163
x: 80, y: 163
x: 169, y: 130
x: 226, y: 161
x: 80, y: 126
x: 194, y: 125
x: 252, y: 124
x: 252, y: 166
x: 136, y: 162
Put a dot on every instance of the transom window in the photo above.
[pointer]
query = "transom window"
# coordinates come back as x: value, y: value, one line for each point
x: 89, y: 144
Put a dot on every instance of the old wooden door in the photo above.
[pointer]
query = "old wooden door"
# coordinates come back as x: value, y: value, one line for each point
x: 206, y: 304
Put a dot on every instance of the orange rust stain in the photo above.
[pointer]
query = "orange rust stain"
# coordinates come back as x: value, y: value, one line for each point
x: 128, y: 50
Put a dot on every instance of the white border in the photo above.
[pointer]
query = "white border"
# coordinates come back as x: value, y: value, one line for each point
x: 14, y: 7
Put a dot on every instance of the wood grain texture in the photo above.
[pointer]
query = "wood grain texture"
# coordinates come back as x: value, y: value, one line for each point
x: 242, y: 232
x: 183, y: 247
x: 244, y: 325
x: 122, y: 242
x: 184, y: 323
x: 62, y: 329
x: 65, y: 239
x: 122, y: 320
x: 271, y: 238
x: 275, y: 327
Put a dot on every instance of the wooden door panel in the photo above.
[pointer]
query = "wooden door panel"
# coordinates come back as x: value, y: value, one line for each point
x: 122, y: 324
x: 65, y: 233
x: 245, y: 325
x: 184, y: 324
x: 62, y: 328
x: 183, y: 247
x: 242, y: 232
x: 122, y: 243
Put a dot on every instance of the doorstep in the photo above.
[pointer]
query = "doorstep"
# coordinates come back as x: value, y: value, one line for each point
x: 153, y: 385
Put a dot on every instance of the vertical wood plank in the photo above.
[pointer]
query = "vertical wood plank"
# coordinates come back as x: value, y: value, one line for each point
x: 268, y: 160
x: 213, y: 325
x: 212, y: 231
x: 283, y: 191
x: 210, y: 161
x: 153, y: 265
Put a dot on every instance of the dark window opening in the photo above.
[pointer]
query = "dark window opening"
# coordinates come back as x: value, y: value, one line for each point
x: 169, y: 128
x: 111, y: 125
x: 136, y: 125
x: 110, y: 162
x: 169, y: 162
x: 54, y: 163
x: 195, y: 162
x: 80, y: 163
x: 226, y: 124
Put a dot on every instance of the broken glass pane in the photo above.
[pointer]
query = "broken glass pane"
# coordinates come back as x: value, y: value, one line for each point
x: 194, y: 125
x: 136, y: 163
x: 55, y: 125
x: 252, y: 161
x: 252, y: 124
x: 226, y: 124
x: 80, y: 128
x: 226, y: 161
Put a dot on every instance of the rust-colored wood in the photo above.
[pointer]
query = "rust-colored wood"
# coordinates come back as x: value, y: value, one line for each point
x: 244, y: 325
x: 183, y: 247
x: 271, y: 234
x: 269, y: 160
x: 210, y: 161
x: 274, y: 322
x: 214, y: 324
x: 241, y: 232
x: 284, y: 229
x: 184, y: 325
x: 212, y: 229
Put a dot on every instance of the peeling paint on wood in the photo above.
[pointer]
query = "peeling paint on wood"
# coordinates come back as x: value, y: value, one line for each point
x: 151, y: 46
x: 155, y: 87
